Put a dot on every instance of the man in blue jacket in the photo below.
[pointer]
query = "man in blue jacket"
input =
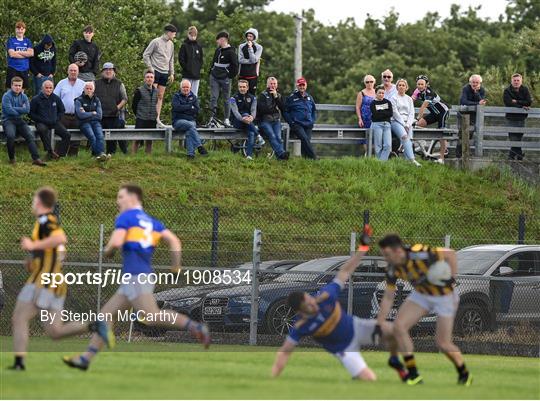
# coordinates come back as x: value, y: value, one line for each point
x: 15, y: 105
x: 46, y: 110
x: 301, y: 114
x: 185, y: 108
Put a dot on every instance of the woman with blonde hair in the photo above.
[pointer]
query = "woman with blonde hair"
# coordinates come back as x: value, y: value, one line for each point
x: 403, y: 119
x: 363, y: 102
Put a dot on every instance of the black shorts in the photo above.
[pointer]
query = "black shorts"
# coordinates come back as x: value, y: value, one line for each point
x: 11, y: 72
x: 142, y: 124
x: 440, y: 119
x: 161, y: 79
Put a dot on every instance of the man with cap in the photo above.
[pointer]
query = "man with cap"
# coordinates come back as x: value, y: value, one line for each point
x: 190, y: 57
x: 85, y: 53
x: 224, y: 69
x: 159, y: 58
x: 300, y: 113
x: 113, y: 96
x: 43, y: 64
x: 249, y: 58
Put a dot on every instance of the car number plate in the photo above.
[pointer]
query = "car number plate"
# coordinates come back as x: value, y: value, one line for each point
x: 212, y: 310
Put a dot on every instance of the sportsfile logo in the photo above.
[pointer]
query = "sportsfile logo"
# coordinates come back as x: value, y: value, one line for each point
x: 108, y: 277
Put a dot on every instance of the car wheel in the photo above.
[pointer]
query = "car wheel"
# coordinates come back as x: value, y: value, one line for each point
x: 279, y: 318
x: 470, y: 319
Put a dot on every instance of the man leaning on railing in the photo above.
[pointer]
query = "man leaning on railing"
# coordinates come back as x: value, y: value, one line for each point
x: 516, y: 95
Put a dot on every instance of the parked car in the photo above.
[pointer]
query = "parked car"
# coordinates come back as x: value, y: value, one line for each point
x: 497, y: 284
x: 230, y: 308
x: 188, y: 299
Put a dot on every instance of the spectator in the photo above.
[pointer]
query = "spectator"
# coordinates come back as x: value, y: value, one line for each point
x: 185, y: 108
x: 46, y: 110
x: 224, y: 69
x: 301, y: 114
x: 249, y: 58
x: 85, y: 53
x: 15, y: 105
x: 89, y: 112
x: 112, y: 94
x: 389, y: 88
x: 19, y: 51
x: 159, y: 58
x: 144, y: 108
x: 438, y: 111
x: 244, y: 110
x: 43, y: 64
x: 363, y: 102
x: 516, y: 95
x: 190, y: 57
x: 403, y: 119
x: 68, y: 89
x: 269, y: 107
x: 381, y: 113
x: 472, y: 94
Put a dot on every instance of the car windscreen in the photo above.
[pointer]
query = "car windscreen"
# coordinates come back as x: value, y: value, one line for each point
x: 315, y: 266
x: 476, y: 262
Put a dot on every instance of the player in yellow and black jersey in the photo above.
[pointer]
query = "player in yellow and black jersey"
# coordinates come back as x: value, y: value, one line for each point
x: 430, y: 294
x: 46, y: 247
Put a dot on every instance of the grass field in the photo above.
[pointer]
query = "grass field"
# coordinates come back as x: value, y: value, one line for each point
x: 169, y: 371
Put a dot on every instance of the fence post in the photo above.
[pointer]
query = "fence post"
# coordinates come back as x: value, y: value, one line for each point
x: 370, y: 142
x: 215, y: 238
x: 464, y: 130
x: 350, y: 294
x: 521, y: 229
x: 100, y: 263
x: 168, y: 140
x: 257, y: 242
x: 479, y: 131
x: 447, y: 239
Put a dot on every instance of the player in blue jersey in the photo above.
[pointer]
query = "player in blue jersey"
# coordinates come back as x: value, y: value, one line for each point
x: 340, y: 334
x: 137, y: 234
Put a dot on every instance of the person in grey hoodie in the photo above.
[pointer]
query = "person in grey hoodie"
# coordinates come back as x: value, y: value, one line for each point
x: 249, y: 58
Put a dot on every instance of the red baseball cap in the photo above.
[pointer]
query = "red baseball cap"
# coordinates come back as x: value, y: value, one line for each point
x: 301, y: 81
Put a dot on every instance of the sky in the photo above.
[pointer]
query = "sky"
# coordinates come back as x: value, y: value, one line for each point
x: 332, y: 11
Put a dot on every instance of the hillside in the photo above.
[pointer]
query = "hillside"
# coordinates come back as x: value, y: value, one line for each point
x: 303, y: 207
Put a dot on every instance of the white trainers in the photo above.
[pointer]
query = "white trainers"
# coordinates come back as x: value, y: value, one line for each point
x: 159, y: 124
x: 260, y: 140
x: 227, y: 122
x: 439, y: 161
x: 416, y: 163
x: 249, y: 158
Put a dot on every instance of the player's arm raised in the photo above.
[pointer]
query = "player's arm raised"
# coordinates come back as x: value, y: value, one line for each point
x: 350, y: 265
x: 175, y: 247
x: 282, y: 357
x: 118, y: 237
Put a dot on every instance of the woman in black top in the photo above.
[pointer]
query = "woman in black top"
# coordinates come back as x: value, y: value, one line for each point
x: 381, y: 113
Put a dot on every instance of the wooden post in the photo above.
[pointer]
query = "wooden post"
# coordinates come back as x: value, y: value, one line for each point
x: 465, y: 139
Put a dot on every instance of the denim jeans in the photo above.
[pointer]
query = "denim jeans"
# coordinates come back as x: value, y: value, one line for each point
x: 193, y: 140
x: 399, y: 131
x: 304, y: 134
x: 272, y: 130
x: 94, y: 133
x: 12, y: 128
x: 382, y: 136
x: 251, y: 132
x: 38, y: 83
x: 222, y: 86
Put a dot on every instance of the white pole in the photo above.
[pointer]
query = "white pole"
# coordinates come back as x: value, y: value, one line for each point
x: 100, y: 264
x: 298, y: 48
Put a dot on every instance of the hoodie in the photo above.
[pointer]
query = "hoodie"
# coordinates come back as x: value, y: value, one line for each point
x: 249, y: 57
x: 225, y: 63
x: 91, y: 50
x: 44, y: 60
x: 190, y: 57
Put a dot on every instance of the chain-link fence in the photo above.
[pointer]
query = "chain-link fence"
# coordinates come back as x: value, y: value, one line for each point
x: 499, y: 286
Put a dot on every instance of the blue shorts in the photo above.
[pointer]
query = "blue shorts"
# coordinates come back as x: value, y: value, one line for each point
x: 161, y: 79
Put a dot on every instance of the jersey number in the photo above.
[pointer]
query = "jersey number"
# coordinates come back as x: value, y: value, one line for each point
x: 148, y: 240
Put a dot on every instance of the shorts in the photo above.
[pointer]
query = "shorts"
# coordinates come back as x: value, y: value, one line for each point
x: 440, y: 119
x: 12, y: 72
x: 160, y: 78
x: 134, y: 289
x: 351, y: 358
x: 441, y: 305
x: 41, y: 297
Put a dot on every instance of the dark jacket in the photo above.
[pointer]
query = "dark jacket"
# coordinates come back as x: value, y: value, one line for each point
x: 91, y: 50
x: 190, y: 57
x: 523, y: 99
x: 224, y: 63
x: 44, y: 60
x: 300, y: 110
x: 144, y: 103
x: 185, y: 107
x: 471, y: 98
x: 88, y: 105
x: 47, y: 110
x: 243, y: 105
x: 381, y: 111
x: 109, y: 92
x: 269, y: 107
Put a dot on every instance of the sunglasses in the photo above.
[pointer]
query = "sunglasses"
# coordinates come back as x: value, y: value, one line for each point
x: 387, y: 76
x: 369, y: 82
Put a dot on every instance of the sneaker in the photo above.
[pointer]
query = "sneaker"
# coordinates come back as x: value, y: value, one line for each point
x: 17, y: 367
x: 465, y: 380
x: 284, y: 156
x: 103, y: 157
x: 260, y: 140
x: 76, y: 362
x: 39, y: 162
x: 200, y: 332
x: 202, y: 150
x: 249, y: 158
x: 159, y: 124
x: 227, y: 123
x: 414, y: 380
x: 439, y: 161
x: 416, y: 163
